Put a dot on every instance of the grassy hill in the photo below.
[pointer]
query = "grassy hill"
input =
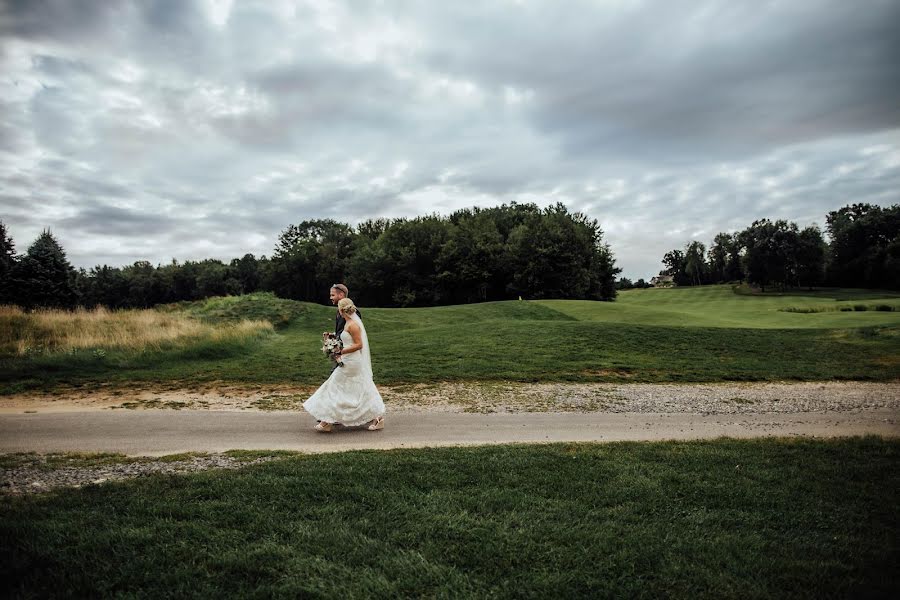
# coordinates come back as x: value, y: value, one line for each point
x: 720, y: 306
x: 683, y: 334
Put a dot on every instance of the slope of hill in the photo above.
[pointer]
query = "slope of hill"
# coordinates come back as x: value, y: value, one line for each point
x: 693, y: 334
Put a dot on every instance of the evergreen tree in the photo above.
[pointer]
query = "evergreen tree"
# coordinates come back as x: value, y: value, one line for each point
x: 44, y: 277
x: 7, y: 262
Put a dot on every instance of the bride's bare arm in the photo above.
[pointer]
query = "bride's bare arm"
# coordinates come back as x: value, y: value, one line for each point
x: 356, y: 346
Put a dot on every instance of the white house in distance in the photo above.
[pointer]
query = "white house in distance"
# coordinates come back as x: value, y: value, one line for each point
x: 662, y: 281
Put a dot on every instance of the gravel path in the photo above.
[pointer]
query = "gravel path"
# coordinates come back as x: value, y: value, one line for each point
x: 420, y: 415
x: 33, y: 475
x: 719, y: 398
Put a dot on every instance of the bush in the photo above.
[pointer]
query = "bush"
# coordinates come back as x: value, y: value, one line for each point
x: 860, y: 307
x: 884, y: 308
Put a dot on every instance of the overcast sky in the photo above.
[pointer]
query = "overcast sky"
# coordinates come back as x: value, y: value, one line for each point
x: 172, y: 129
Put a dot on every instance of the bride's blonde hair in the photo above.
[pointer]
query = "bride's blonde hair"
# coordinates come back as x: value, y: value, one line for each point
x: 346, y: 306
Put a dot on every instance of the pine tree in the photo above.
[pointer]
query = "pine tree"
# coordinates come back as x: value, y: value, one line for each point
x: 7, y: 262
x: 43, y: 277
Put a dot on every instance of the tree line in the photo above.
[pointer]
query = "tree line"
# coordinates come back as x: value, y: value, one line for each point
x: 863, y: 251
x: 472, y: 255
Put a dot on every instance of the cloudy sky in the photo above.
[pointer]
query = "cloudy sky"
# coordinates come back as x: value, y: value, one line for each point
x: 170, y: 129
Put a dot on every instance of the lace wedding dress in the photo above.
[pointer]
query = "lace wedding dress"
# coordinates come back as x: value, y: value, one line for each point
x: 349, y: 395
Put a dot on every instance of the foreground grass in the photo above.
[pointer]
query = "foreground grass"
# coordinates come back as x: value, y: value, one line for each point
x: 728, y: 518
x: 678, y: 335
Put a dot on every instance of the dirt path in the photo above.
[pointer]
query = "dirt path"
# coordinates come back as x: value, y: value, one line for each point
x: 160, y: 432
x: 443, y: 414
x: 136, y: 422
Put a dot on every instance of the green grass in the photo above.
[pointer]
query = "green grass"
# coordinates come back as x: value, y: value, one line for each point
x: 717, y: 519
x: 658, y: 335
x: 263, y: 306
x: 719, y: 306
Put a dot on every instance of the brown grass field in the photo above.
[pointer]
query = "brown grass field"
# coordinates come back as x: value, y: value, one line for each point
x: 60, y: 331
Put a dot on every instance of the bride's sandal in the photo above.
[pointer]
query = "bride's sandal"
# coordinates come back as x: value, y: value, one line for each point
x: 377, y: 423
x: 323, y: 427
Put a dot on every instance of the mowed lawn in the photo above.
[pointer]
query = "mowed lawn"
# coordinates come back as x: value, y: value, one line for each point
x: 716, y: 519
x: 720, y: 306
x: 699, y: 334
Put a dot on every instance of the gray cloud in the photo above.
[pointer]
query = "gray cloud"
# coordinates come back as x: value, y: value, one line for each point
x: 153, y: 130
x: 102, y: 219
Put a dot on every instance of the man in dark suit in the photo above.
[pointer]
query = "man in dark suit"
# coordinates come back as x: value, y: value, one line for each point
x: 339, y: 291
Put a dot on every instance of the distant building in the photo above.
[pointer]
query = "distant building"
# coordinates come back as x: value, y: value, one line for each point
x: 663, y: 281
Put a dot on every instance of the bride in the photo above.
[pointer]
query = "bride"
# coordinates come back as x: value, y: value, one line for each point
x: 349, y: 396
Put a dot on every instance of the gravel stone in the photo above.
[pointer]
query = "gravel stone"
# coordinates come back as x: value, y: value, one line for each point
x: 34, y: 477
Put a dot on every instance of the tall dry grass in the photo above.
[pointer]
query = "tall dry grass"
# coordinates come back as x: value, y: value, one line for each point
x: 52, y: 331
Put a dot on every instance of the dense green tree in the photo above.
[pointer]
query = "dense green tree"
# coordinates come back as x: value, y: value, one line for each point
x: 809, y: 257
x: 674, y: 262
x: 761, y: 256
x: 213, y: 279
x: 247, y: 273
x: 292, y: 273
x: 371, y: 229
x: 335, y: 247
x: 146, y: 285
x: 104, y: 285
x: 184, y: 280
x: 400, y: 266
x: 44, y: 277
x: 864, y: 246
x: 7, y: 262
x: 603, y: 270
x: 370, y: 274
x: 695, y: 267
x: 724, y: 259
x: 560, y: 255
x: 771, y: 253
x: 309, y: 258
x: 470, y: 259
x: 865, y: 252
x: 472, y: 255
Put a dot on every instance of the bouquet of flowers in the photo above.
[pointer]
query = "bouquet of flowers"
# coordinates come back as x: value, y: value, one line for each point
x: 331, y: 346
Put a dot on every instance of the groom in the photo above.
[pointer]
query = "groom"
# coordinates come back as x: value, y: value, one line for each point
x: 337, y: 293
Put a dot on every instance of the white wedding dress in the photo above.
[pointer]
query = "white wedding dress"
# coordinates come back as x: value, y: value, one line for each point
x: 349, y: 395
